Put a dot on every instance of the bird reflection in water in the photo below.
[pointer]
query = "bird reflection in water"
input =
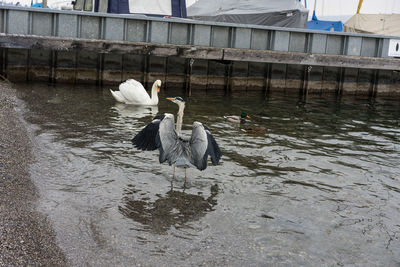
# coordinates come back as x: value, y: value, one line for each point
x: 135, y: 111
x: 125, y: 114
x: 174, y: 209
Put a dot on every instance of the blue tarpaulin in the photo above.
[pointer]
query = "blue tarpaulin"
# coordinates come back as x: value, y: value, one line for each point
x: 39, y: 5
x: 324, y: 25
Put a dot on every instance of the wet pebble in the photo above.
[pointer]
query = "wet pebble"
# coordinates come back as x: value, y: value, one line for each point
x: 26, y: 236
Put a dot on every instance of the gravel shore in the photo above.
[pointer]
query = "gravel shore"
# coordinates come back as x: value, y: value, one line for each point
x: 26, y: 236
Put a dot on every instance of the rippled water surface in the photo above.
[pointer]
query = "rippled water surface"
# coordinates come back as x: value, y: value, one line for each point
x: 320, y: 187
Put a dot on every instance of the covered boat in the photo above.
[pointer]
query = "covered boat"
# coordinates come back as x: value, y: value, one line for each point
x: 386, y: 24
x: 172, y: 8
x: 281, y: 13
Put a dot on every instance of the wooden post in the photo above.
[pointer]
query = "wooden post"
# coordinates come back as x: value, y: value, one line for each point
x: 191, y: 61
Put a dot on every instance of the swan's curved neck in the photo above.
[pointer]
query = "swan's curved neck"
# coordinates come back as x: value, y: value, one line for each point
x: 154, y: 93
x: 179, y: 118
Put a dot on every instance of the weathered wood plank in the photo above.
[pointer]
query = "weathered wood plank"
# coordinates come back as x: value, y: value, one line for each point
x: 196, y: 52
x: 269, y: 56
x: 105, y: 46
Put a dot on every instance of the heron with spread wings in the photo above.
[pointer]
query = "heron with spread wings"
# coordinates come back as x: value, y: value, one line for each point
x: 179, y: 151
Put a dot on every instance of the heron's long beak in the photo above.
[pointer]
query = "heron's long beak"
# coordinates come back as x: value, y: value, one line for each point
x: 170, y: 98
x: 158, y: 89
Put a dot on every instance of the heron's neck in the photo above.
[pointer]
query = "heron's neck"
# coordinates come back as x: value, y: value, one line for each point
x: 179, y: 118
x: 154, y: 94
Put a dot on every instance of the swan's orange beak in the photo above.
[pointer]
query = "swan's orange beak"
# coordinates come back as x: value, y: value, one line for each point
x: 158, y: 89
x: 170, y: 98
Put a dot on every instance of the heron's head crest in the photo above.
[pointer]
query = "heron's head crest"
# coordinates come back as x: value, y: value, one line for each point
x: 176, y: 99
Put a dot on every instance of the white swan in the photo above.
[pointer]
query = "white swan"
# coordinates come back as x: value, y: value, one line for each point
x: 133, y: 92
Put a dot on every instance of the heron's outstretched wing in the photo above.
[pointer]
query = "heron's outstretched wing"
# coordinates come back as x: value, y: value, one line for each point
x: 166, y: 139
x: 212, y: 148
x: 202, y: 144
x: 146, y: 138
x: 161, y: 134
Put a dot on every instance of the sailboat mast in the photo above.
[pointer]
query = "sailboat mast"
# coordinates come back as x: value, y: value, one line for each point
x: 360, y: 2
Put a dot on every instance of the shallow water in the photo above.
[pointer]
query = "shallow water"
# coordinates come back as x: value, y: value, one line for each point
x: 321, y: 187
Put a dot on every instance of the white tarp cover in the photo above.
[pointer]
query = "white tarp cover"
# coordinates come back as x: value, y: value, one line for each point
x: 386, y: 24
x: 284, y: 13
x: 156, y: 7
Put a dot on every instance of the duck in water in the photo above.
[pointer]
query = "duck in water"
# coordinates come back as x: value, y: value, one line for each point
x: 237, y: 119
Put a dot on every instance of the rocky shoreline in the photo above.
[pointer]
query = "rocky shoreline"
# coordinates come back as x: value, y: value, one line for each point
x: 26, y: 235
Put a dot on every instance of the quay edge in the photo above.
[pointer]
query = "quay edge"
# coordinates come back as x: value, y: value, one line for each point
x: 108, y: 49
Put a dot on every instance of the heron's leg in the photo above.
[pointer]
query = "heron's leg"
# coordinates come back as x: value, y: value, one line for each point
x: 172, y: 180
x: 184, y: 183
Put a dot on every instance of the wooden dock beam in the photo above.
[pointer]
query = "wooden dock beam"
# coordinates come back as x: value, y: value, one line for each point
x: 196, y: 52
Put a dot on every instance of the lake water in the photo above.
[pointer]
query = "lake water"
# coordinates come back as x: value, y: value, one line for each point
x: 321, y: 187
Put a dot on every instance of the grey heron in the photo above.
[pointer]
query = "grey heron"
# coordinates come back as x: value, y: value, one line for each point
x: 179, y: 151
